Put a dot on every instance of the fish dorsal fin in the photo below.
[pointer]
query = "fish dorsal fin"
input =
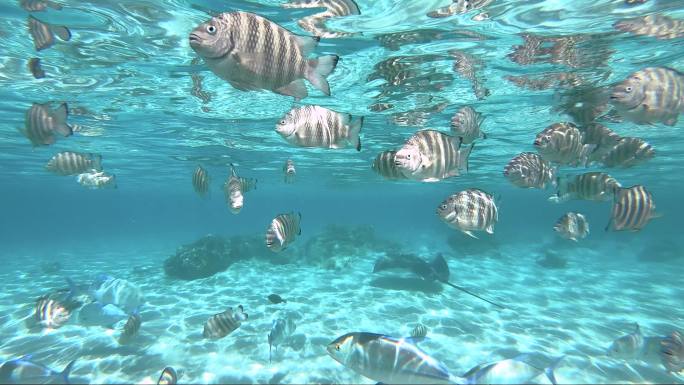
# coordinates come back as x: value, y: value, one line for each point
x: 637, y: 329
x: 232, y: 170
x: 307, y: 43
x: 473, y: 371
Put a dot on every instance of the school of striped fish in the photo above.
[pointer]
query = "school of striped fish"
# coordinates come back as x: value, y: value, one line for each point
x: 250, y: 52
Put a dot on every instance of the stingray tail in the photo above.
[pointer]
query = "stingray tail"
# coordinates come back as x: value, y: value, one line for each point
x: 474, y: 295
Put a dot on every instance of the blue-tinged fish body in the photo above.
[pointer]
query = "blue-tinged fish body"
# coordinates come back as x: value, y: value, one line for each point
x: 511, y: 371
x: 25, y: 371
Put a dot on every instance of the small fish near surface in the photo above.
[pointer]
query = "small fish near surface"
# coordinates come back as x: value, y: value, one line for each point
x: 168, y: 376
x: 289, y: 171
x: 51, y: 313
x: 658, y: 26
x: 42, y: 124
x: 221, y: 324
x: 281, y: 330
x: 572, y: 226
x: 39, y: 5
x: 316, y: 23
x: 235, y: 188
x: 384, y: 165
x: 633, y: 208
x: 511, y: 371
x: 651, y: 95
x: 590, y: 186
x: 73, y: 163
x: 131, y: 328
x: 672, y: 352
x: 43, y: 34
x: 316, y: 126
x: 563, y: 143
x: 276, y: 299
x: 387, y: 359
x: 283, y: 230
x: 529, y: 170
x: 465, y: 124
x: 252, y: 52
x: 35, y: 68
x: 25, y: 371
x: 430, y: 156
x: 97, y: 180
x: 469, y: 210
x: 200, y: 181
x: 628, y: 152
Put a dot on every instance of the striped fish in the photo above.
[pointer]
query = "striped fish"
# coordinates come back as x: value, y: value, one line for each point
x: 289, y: 171
x: 633, y: 208
x: 628, y: 346
x: 672, y: 352
x: 283, y: 230
x: 42, y: 123
x: 590, y: 186
x: 469, y: 210
x: 384, y: 165
x: 35, y: 68
x: 251, y: 52
x: 73, y: 163
x: 465, y: 124
x: 316, y: 23
x: 628, y: 152
x: 470, y: 67
x: 281, y: 330
x: 658, y: 26
x: 458, y: 7
x: 168, y: 377
x: 602, y: 138
x: 420, y: 331
x: 38, y: 5
x: 388, y: 360
x: 200, y: 181
x: 563, y: 143
x: 529, y: 170
x: 96, y: 180
x: 430, y: 156
x: 131, y: 328
x: 50, y: 313
x: 234, y: 190
x: 572, y: 226
x: 43, y: 34
x: 221, y: 324
x: 316, y: 126
x: 651, y: 95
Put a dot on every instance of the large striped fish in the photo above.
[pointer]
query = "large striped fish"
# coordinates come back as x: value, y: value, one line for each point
x: 384, y: 165
x: 672, y: 352
x: 35, y: 68
x: 465, y: 124
x: 590, y: 186
x: 651, y: 95
x: 221, y: 324
x: 73, y: 163
x: 251, y: 52
x: 469, y: 210
x: 430, y: 156
x: 289, y: 171
x: 572, y: 226
x: 316, y: 22
x: 131, y: 328
x: 633, y: 208
x: 388, y: 360
x: 38, y: 5
x: 43, y: 34
x: 42, y: 124
x: 316, y: 126
x: 283, y: 230
x: 234, y: 190
x: 50, y: 313
x: 563, y: 143
x: 658, y: 26
x: 628, y: 152
x: 529, y: 170
x: 200, y: 181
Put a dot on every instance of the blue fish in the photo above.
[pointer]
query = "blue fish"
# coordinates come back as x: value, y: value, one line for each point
x: 24, y: 371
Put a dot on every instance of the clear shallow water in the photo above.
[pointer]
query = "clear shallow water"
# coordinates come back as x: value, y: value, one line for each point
x: 126, y: 74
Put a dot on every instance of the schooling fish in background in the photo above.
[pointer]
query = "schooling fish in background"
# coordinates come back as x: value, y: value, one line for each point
x: 289, y: 171
x: 316, y: 126
x: 73, y: 163
x: 470, y: 67
x: 628, y: 152
x: 465, y: 124
x: 658, y: 26
x: 529, y: 170
x: 633, y: 208
x: 469, y: 210
x: 651, y: 95
x: 97, y: 180
x: 511, y: 371
x: 385, y: 165
x: 590, y: 186
x: 42, y: 124
x: 251, y: 52
x: 38, y: 5
x: 573, y: 226
x: 131, y: 328
x: 221, y: 324
x: 35, y: 68
x: 43, y: 34
x: 430, y: 156
x: 50, y: 313
x: 24, y: 371
x: 283, y: 230
x: 234, y: 190
x: 281, y: 330
x: 97, y: 314
x: 387, y: 359
x: 672, y: 352
x: 316, y: 23
x: 563, y: 143
x: 200, y: 181
x: 169, y: 376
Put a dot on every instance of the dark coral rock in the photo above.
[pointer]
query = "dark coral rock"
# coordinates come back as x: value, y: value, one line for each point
x: 334, y: 247
x: 203, y: 258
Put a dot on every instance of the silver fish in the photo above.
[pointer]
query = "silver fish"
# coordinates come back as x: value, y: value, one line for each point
x: 420, y: 331
x: 628, y: 152
x: 590, y: 186
x: 529, y: 170
x: 73, y: 163
x: 658, y: 26
x: 672, y: 352
x: 573, y: 226
x: 628, y: 346
x: 469, y: 210
x: 633, y: 208
x: 35, y: 68
x: 38, y: 5
x: 511, y: 371
x: 131, y: 328
x: 50, y: 313
x: 251, y: 52
x: 43, y: 34
x: 281, y: 330
x: 168, y: 376
x: 563, y: 143
x: 200, y: 181
x: 316, y: 126
x: 458, y: 7
x: 651, y: 95
x: 384, y: 165
x: 234, y: 190
x: 283, y: 230
x: 430, y: 156
x: 221, y: 324
x: 97, y: 180
x: 387, y: 359
x: 316, y: 23
x: 24, y: 371
x: 42, y: 123
x: 470, y: 67
x: 466, y: 123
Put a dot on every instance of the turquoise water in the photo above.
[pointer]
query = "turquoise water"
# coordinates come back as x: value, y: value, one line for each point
x: 128, y: 76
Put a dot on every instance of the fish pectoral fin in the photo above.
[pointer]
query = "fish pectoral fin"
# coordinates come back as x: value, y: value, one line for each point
x: 470, y: 234
x: 431, y: 180
x: 490, y: 229
x: 296, y: 88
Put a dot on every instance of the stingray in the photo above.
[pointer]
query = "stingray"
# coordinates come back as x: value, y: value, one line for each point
x: 437, y: 270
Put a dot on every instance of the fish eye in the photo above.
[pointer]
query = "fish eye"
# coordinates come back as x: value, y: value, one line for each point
x: 628, y: 89
x: 408, y: 156
x: 282, y: 121
x: 337, y: 347
x: 211, y: 29
x: 444, y: 206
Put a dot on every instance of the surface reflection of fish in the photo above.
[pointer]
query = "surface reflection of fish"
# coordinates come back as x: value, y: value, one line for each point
x: 235, y: 188
x: 283, y: 230
x: 633, y: 208
x: 221, y: 324
x: 379, y: 107
x: 333, y: 8
x: 417, y: 117
x: 430, y: 156
x: 43, y: 34
x: 395, y: 40
x: 97, y: 180
x: 384, y: 165
x: 628, y: 152
x: 42, y: 124
x: 575, y: 51
x: 546, y: 80
x: 658, y: 26
x: 281, y: 330
x: 529, y: 170
x: 38, y: 5
x: 470, y: 68
x: 469, y: 210
x: 590, y: 186
x: 573, y: 226
x: 458, y: 7
x: 25, y: 371
x: 35, y: 68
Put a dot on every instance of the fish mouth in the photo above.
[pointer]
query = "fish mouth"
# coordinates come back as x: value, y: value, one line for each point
x: 195, y: 39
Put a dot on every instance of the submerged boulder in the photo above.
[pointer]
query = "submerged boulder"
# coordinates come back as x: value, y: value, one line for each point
x: 336, y: 246
x: 203, y: 258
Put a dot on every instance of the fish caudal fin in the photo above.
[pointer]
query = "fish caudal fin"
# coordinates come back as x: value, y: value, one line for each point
x: 61, y: 114
x: 463, y: 155
x: 97, y: 162
x: 355, y: 131
x: 319, y: 69
x: 549, y: 371
x: 67, y: 370
x: 62, y: 32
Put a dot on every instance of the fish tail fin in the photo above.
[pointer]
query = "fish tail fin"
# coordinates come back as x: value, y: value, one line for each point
x: 97, y: 161
x: 561, y: 185
x: 62, y: 32
x: 355, y: 131
x: 319, y: 69
x: 549, y: 371
x: 67, y: 370
x: 463, y: 156
x: 553, y: 175
x: 61, y: 114
x: 72, y: 288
